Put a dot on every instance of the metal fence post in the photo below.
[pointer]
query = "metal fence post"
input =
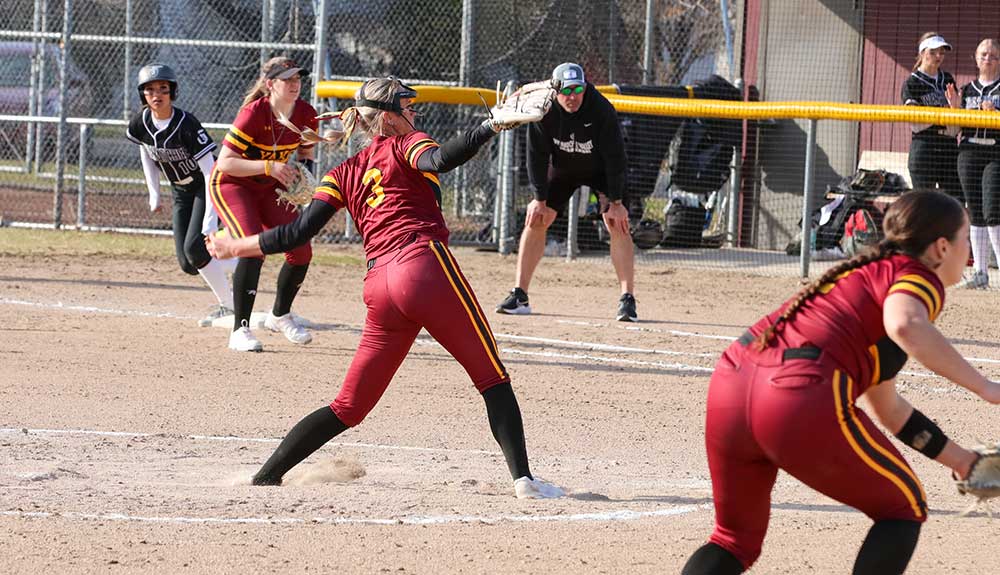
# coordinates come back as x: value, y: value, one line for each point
x: 81, y: 185
x: 573, y: 221
x: 507, y: 192
x: 807, y: 193
x: 40, y: 93
x: 319, y: 69
x: 464, y: 66
x: 647, y: 45
x: 727, y: 30
x: 265, y: 30
x: 127, y: 80
x: 61, y: 130
x: 733, y: 221
x: 36, y: 48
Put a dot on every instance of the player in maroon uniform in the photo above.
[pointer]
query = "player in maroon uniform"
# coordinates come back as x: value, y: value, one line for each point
x: 392, y: 192
x: 251, y: 166
x: 783, y: 396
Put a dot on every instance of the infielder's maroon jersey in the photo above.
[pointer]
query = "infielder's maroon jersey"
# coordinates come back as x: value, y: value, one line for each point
x: 845, y: 318
x: 387, y: 196
x: 257, y: 135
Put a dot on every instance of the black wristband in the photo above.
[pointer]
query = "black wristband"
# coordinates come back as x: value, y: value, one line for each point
x: 922, y: 434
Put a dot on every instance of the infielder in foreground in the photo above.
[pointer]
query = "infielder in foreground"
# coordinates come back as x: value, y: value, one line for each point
x: 172, y: 142
x: 392, y: 192
x: 578, y: 143
x: 788, y: 387
x: 252, y: 165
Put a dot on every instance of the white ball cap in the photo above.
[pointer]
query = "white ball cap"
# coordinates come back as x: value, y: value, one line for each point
x: 934, y: 42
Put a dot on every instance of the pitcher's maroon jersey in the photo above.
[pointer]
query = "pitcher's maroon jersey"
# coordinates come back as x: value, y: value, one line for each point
x: 387, y: 196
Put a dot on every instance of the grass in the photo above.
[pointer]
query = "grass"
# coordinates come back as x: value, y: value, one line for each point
x: 26, y: 243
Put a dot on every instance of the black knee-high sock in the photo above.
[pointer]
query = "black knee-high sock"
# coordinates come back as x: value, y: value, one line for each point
x: 710, y: 559
x: 245, y: 280
x: 306, y: 437
x: 887, y: 548
x: 507, y: 427
x: 289, y: 281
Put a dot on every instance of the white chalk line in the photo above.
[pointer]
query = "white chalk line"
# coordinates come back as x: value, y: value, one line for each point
x: 650, y: 329
x: 94, y: 309
x: 30, y: 431
x: 591, y: 345
x: 618, y: 515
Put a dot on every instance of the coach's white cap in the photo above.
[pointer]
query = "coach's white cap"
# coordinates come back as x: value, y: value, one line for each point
x: 934, y: 42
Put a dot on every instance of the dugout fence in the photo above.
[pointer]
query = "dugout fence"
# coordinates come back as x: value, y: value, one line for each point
x: 64, y: 162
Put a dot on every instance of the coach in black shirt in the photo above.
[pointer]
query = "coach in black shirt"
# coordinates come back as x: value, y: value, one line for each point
x: 578, y: 143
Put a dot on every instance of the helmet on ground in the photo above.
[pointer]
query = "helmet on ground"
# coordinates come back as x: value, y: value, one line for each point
x: 156, y: 73
x: 647, y: 234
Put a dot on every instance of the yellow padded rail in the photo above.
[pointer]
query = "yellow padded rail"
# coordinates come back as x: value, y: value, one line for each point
x: 714, y: 108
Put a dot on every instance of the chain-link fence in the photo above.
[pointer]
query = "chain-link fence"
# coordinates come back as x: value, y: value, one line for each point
x: 217, y: 46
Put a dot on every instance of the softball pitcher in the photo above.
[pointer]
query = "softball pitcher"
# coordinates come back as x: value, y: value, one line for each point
x: 392, y: 192
x: 784, y: 395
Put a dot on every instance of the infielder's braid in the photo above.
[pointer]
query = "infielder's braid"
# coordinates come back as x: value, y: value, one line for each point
x: 882, y: 250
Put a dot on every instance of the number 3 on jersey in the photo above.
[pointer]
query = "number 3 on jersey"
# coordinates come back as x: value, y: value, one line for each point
x: 378, y: 192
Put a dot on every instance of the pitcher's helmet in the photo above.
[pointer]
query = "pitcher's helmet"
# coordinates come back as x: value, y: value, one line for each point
x: 154, y: 73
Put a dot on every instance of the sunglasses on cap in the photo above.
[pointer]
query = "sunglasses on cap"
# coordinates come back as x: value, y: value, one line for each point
x: 572, y: 90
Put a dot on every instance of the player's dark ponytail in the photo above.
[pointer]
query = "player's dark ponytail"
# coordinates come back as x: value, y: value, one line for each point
x: 911, y: 224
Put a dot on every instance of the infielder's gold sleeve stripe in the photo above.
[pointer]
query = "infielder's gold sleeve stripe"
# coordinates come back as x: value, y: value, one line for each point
x: 929, y: 287
x: 238, y: 133
x: 223, y: 209
x: 876, y: 364
x: 417, y: 148
x: 888, y: 465
x: 236, y: 142
x: 472, y: 309
x: 917, y: 291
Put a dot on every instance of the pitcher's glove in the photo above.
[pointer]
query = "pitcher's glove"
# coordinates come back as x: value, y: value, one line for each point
x: 299, y: 192
x: 983, y: 481
x: 528, y: 104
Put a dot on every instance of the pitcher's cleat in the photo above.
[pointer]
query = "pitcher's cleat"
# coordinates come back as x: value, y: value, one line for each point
x: 528, y: 488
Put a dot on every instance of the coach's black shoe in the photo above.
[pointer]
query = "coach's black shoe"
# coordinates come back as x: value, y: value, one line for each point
x: 516, y: 303
x: 626, y: 308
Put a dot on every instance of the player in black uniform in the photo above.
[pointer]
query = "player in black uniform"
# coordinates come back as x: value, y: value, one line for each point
x: 578, y: 143
x: 934, y: 149
x: 174, y: 143
x: 979, y: 165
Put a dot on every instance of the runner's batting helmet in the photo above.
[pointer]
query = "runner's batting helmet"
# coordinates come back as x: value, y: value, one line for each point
x: 154, y: 73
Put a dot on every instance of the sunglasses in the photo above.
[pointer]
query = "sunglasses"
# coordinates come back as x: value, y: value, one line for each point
x: 572, y: 90
x: 153, y: 91
x: 413, y: 110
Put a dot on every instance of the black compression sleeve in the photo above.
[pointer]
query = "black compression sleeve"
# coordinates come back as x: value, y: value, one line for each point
x: 455, y: 151
x: 311, y: 220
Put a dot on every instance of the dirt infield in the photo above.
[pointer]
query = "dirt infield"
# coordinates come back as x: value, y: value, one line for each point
x: 128, y: 434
